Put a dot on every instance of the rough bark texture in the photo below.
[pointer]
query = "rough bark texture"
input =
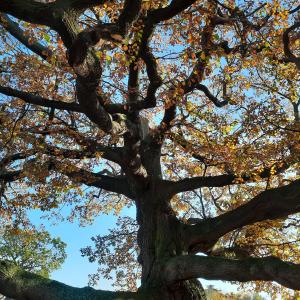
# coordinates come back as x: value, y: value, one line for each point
x: 160, y: 238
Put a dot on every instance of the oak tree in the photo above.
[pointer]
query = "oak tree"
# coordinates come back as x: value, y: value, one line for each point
x: 187, y: 110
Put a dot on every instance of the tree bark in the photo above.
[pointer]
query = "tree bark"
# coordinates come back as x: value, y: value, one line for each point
x: 159, y: 239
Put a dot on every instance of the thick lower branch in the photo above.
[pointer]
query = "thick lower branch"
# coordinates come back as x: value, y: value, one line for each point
x: 250, y: 269
x: 16, y: 156
x: 92, y: 151
x: 117, y: 185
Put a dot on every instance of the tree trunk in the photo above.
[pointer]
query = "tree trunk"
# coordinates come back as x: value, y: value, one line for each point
x: 159, y: 239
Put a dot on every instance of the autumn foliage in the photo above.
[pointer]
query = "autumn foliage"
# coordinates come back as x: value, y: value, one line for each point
x: 186, y: 110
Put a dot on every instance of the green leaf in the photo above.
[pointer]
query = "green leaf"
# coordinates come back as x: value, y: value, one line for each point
x: 47, y: 37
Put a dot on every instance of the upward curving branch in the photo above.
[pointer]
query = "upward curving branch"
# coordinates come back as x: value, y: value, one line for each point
x: 14, y: 29
x: 269, y: 205
x: 173, y: 9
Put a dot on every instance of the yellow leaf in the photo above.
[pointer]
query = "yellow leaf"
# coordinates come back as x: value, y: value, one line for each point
x: 202, y: 56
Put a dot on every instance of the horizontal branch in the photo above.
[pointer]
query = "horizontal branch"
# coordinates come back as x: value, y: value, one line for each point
x: 89, y: 147
x: 37, y: 100
x: 189, y: 184
x: 250, y: 269
x: 19, y: 284
x: 91, y: 150
x: 9, y: 176
x: 269, y: 205
x: 117, y: 185
x: 43, y: 13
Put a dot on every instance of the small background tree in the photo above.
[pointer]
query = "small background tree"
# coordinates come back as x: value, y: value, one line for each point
x: 31, y: 249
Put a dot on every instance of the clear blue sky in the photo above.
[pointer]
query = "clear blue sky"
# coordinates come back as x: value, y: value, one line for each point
x: 76, y: 268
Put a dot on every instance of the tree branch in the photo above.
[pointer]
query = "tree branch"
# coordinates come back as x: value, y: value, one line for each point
x: 286, y: 45
x: 13, y: 157
x: 13, y: 28
x: 19, y: 284
x: 109, y: 153
x: 117, y: 185
x: 79, y: 4
x: 196, y: 76
x: 211, y: 97
x: 189, y: 184
x: 269, y: 205
x: 37, y: 100
x: 152, y: 72
x: 173, y: 9
x: 111, y: 32
x: 250, y: 269
x: 42, y: 13
x: 29, y: 10
x: 10, y: 176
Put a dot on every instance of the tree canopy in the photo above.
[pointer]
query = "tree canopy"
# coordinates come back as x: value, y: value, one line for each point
x: 32, y: 249
x: 186, y: 110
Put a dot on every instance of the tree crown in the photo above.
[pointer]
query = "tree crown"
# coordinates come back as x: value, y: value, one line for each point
x: 196, y: 103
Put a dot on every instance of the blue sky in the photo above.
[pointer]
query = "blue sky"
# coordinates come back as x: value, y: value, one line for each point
x: 76, y: 268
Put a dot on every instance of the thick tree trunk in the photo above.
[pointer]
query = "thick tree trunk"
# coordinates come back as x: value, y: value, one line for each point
x: 159, y: 239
